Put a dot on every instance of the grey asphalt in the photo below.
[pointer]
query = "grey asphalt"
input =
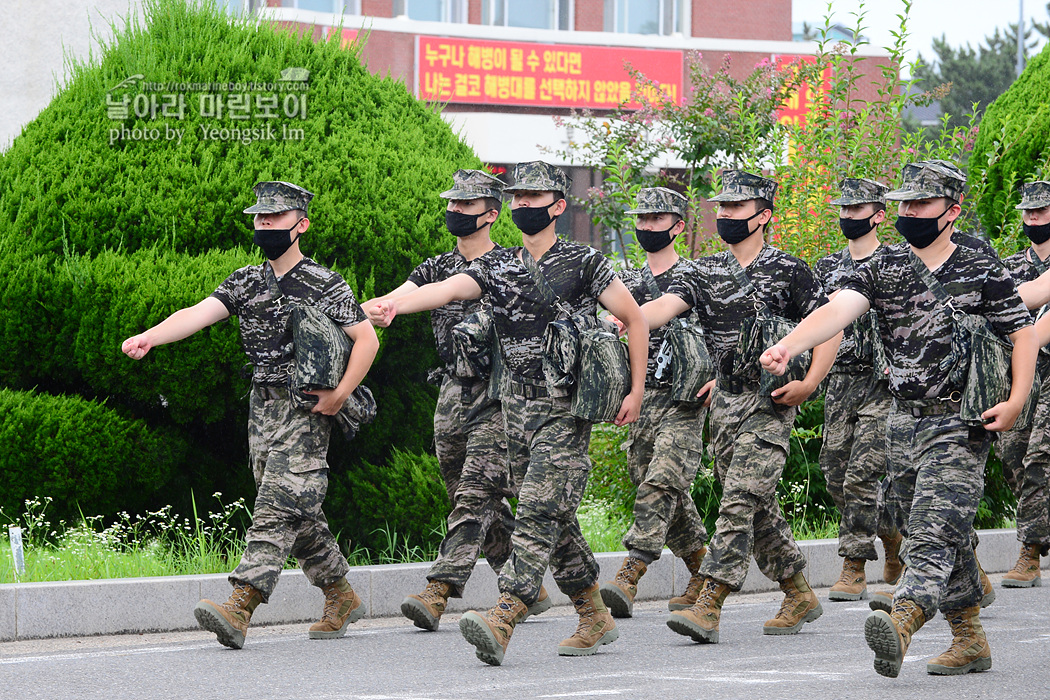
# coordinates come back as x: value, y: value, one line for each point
x: 388, y: 659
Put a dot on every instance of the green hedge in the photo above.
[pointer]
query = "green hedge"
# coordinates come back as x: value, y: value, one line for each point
x: 1018, y: 125
x: 86, y: 456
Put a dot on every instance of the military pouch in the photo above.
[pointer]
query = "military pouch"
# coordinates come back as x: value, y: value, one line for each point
x: 473, y: 344
x: 322, y: 351
x: 759, y: 332
x: 691, y: 364
x: 867, y: 341
x: 582, y: 356
x: 979, y: 360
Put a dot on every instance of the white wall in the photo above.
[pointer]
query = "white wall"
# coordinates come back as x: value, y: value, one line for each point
x: 38, y: 35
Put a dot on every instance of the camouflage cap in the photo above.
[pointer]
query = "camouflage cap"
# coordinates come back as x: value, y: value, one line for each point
x: 859, y: 190
x: 537, y: 176
x: 1035, y: 195
x: 739, y: 186
x: 474, y: 184
x: 660, y: 200
x: 928, y: 179
x: 275, y: 197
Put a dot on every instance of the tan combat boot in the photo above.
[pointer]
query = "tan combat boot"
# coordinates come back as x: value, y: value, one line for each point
x: 852, y: 583
x: 889, y: 635
x: 229, y: 620
x: 425, y: 609
x: 490, y: 632
x: 696, y: 582
x: 881, y: 600
x: 1025, y: 573
x: 969, y: 652
x: 595, y: 628
x: 619, y: 593
x: 987, y: 592
x: 892, y: 567
x: 800, y: 605
x: 700, y: 621
x: 543, y: 604
x: 342, y: 606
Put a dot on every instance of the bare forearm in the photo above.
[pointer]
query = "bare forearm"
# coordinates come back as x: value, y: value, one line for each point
x: 1022, y: 364
x: 638, y: 352
x: 823, y: 358
x: 1036, y: 292
x: 183, y: 323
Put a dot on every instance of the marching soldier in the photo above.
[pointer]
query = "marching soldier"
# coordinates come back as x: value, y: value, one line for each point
x: 857, y: 402
x: 287, y: 445
x: 750, y: 429
x: 665, y: 445
x: 547, y: 445
x: 936, y: 467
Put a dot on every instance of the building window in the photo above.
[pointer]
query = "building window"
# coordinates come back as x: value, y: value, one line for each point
x: 339, y: 7
x: 643, y: 16
x: 432, y: 10
x: 534, y: 14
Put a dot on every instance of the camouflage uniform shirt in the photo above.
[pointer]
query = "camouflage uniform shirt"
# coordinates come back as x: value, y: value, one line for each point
x: 831, y: 271
x: 634, y: 279
x: 783, y: 282
x: 442, y: 319
x: 265, y: 332
x: 916, y: 328
x: 576, y: 273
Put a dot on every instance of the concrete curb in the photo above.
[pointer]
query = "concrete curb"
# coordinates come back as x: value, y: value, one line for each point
x: 116, y: 606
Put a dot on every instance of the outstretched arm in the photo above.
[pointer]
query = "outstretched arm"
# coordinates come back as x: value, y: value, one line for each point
x: 659, y: 312
x: 618, y: 300
x: 819, y: 327
x: 399, y: 292
x: 426, y: 298
x: 1036, y: 292
x: 794, y: 393
x: 181, y: 324
x: 366, y: 345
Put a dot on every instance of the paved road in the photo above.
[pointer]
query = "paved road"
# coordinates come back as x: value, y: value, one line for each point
x: 391, y: 660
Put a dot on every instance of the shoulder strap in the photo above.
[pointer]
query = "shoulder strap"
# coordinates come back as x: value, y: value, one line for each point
x: 930, y: 280
x: 742, y: 279
x: 271, y: 282
x: 1040, y: 266
x: 650, y: 282
x: 544, y: 287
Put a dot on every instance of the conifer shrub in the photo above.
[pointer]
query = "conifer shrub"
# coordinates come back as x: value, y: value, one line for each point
x: 1011, y: 146
x: 105, y: 235
x: 87, y: 456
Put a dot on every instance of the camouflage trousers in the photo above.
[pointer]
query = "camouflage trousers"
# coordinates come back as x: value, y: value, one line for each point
x: 750, y: 437
x: 934, y: 482
x: 547, y: 453
x: 853, y: 458
x: 472, y: 454
x: 287, y: 447
x: 1026, y: 466
x: 664, y: 448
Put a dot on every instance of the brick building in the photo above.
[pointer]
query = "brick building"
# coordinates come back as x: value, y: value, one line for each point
x: 504, y: 68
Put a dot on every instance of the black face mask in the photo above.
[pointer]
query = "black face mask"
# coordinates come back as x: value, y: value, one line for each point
x: 1037, y: 234
x: 856, y: 228
x: 921, y: 232
x: 652, y: 241
x: 532, y: 220
x: 459, y: 224
x: 275, y: 241
x: 735, y: 230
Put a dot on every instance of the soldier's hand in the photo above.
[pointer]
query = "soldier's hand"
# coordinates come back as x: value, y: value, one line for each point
x: 329, y: 401
x: 382, y: 313
x: 1000, y: 417
x: 630, y: 409
x: 136, y: 346
x: 792, y: 394
x: 775, y: 359
x: 621, y: 327
x: 706, y: 391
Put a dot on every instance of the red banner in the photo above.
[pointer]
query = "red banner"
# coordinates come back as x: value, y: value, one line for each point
x: 799, y: 104
x: 475, y: 71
